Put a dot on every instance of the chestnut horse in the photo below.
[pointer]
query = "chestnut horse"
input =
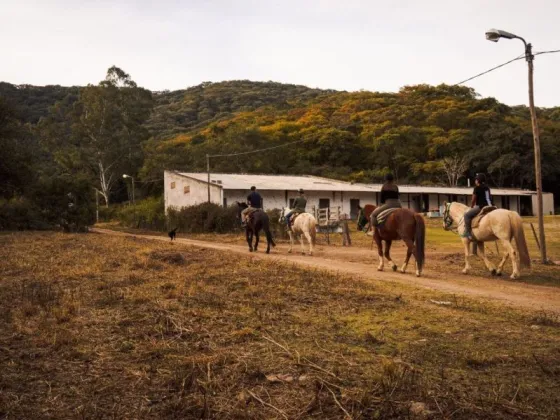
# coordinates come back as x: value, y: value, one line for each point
x: 401, y: 224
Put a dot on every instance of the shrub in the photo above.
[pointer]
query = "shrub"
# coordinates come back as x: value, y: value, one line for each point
x: 146, y: 214
x: 206, y: 217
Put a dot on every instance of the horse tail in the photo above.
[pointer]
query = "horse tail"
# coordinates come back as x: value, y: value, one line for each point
x: 313, y: 230
x: 419, y: 240
x: 266, y: 228
x: 519, y: 235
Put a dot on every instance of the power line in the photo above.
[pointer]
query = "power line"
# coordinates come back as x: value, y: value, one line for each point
x: 490, y: 70
x: 257, y: 151
x: 504, y: 64
x: 547, y: 52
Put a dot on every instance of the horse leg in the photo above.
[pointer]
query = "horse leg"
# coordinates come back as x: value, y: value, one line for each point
x: 513, y: 254
x: 291, y: 241
x: 308, y: 237
x: 249, y: 235
x: 466, y: 243
x: 487, y: 262
x: 302, y: 243
x: 502, y: 263
x: 379, y: 249
x: 258, y: 235
x: 388, y: 255
x: 409, y: 252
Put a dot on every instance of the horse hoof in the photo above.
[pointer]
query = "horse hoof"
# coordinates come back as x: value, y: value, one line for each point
x: 403, y: 271
x: 250, y: 250
x: 499, y: 274
x: 465, y: 272
x: 394, y: 268
x: 493, y: 272
x: 268, y: 251
x: 418, y: 274
x: 379, y: 269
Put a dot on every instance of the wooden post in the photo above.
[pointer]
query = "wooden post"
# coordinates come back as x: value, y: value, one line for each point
x: 535, y: 235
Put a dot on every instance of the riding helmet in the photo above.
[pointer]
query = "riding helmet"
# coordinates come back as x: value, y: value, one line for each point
x: 480, y: 177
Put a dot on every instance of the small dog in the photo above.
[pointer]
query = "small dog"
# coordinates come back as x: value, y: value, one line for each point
x: 172, y: 234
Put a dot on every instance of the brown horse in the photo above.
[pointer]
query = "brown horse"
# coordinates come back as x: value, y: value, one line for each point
x: 401, y: 224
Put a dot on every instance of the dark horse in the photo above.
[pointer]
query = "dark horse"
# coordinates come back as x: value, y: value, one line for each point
x: 402, y: 224
x: 258, y: 220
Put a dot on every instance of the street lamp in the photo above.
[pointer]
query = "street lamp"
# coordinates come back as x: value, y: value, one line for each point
x: 494, y: 35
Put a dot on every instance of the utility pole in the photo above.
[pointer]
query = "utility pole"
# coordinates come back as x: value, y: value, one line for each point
x: 208, y: 172
x: 537, y: 145
x: 495, y: 35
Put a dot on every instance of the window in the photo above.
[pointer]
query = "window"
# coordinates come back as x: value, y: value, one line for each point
x: 186, y: 189
x: 173, y: 185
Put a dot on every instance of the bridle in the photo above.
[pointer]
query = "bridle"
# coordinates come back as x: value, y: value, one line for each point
x: 447, y: 219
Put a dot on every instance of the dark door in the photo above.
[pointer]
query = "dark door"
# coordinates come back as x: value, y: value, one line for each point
x: 324, y: 203
x: 354, y: 207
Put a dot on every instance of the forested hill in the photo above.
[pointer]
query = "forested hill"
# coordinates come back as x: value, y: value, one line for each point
x: 423, y: 134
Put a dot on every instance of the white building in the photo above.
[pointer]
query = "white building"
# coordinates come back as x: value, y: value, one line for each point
x: 184, y: 189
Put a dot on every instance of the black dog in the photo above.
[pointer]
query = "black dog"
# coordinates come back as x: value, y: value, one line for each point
x: 172, y: 234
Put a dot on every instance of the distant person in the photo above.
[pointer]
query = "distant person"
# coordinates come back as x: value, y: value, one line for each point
x: 297, y: 208
x: 254, y: 201
x: 389, y: 198
x: 481, y: 198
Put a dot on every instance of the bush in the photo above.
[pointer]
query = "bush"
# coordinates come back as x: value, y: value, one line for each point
x: 146, y: 214
x: 206, y: 217
x: 19, y: 213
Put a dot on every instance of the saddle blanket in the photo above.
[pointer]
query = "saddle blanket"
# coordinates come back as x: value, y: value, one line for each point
x: 382, y: 217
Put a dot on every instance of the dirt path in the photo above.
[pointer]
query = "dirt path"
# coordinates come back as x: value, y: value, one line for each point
x: 517, y: 294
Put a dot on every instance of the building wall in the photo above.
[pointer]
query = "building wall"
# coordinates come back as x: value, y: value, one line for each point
x: 275, y: 199
x: 548, y: 204
x: 180, y: 191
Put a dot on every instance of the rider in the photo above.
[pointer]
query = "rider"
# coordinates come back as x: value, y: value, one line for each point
x: 481, y: 198
x: 298, y: 207
x: 389, y: 198
x: 254, y: 201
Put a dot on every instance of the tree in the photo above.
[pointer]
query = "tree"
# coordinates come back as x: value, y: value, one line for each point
x: 103, y: 131
x: 455, y: 168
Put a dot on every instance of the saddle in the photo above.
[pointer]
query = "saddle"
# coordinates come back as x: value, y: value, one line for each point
x: 479, y: 216
x: 293, y: 217
x: 382, y: 217
x: 251, y: 213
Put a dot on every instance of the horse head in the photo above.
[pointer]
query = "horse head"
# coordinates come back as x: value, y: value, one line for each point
x: 447, y: 218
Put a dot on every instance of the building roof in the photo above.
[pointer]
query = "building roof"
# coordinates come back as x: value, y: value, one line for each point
x: 277, y: 182
x: 314, y: 183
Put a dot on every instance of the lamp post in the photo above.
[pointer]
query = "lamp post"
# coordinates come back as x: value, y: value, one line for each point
x: 133, y: 198
x: 494, y: 35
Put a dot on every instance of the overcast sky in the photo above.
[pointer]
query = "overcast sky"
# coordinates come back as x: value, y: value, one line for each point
x: 339, y: 44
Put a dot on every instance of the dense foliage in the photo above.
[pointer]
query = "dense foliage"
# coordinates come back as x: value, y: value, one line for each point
x: 423, y: 134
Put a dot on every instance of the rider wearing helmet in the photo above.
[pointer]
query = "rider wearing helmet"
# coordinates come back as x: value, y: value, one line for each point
x: 481, y: 198
x: 389, y: 198
x: 298, y: 207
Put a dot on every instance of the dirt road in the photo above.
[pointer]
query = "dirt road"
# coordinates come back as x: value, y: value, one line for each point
x: 362, y: 261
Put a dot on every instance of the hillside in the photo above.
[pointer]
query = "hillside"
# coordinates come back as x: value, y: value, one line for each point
x: 423, y: 134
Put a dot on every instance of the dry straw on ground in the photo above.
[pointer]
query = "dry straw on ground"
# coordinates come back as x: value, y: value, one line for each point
x: 94, y: 326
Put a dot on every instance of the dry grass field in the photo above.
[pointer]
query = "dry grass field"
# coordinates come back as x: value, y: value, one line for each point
x: 96, y: 326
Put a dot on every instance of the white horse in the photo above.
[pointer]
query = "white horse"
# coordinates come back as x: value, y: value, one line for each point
x: 500, y: 224
x: 304, y: 225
